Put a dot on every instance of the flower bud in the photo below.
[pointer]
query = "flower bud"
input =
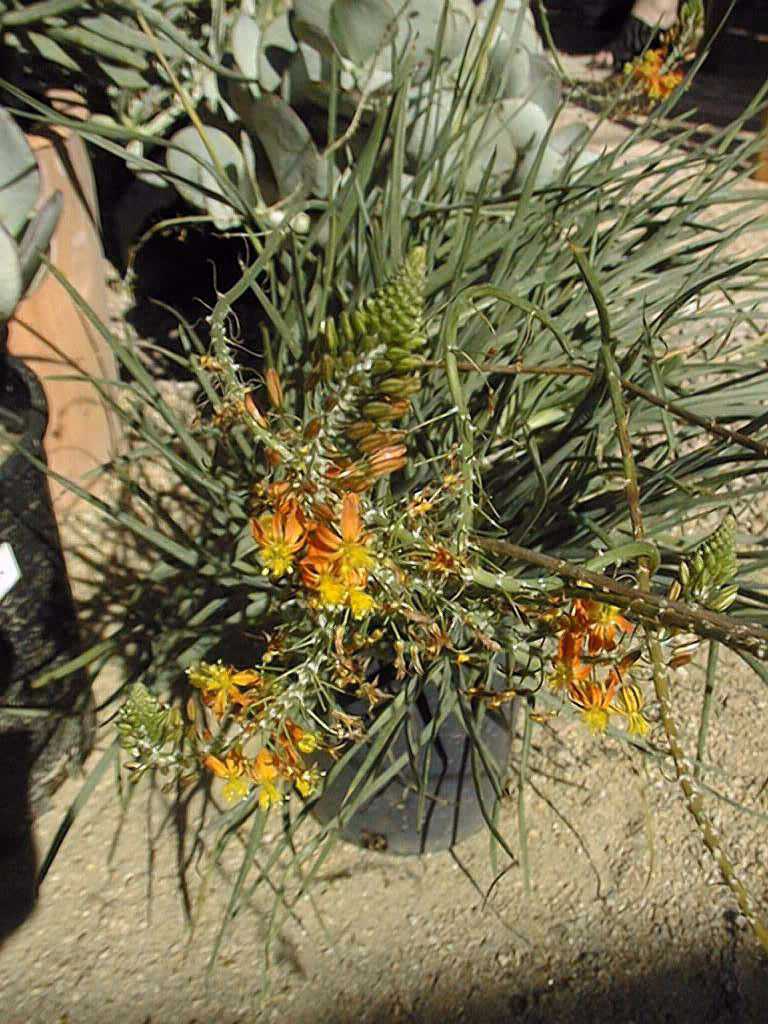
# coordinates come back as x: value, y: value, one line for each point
x: 274, y: 388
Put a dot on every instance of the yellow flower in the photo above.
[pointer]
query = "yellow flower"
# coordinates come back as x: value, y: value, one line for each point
x: 280, y: 537
x: 295, y: 738
x: 233, y: 770
x: 330, y: 589
x: 630, y: 704
x: 360, y: 603
x: 308, y: 742
x: 308, y: 781
x: 648, y: 72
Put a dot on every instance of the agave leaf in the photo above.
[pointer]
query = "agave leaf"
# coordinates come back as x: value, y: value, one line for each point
x: 517, y: 24
x: 525, y: 123
x: 189, y: 159
x: 510, y: 129
x: 37, y: 238
x: 426, y: 128
x: 292, y: 154
x: 10, y: 275
x: 571, y: 138
x: 361, y: 27
x: 570, y: 143
x: 19, y: 177
x: 545, y: 88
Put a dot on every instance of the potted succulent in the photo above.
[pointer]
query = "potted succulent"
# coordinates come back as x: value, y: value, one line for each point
x: 234, y: 116
x: 45, y: 710
x: 484, y: 456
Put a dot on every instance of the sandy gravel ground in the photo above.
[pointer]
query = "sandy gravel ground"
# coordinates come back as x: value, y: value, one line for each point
x: 626, y: 921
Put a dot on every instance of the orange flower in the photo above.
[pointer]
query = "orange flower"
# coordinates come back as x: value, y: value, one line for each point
x: 569, y: 669
x: 648, y: 72
x: 601, y: 622
x: 594, y: 699
x: 233, y: 770
x: 221, y: 685
x: 264, y: 771
x: 349, y: 550
x: 280, y: 537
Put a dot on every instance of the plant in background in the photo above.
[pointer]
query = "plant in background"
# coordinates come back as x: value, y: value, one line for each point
x: 649, y: 79
x: 483, y: 439
x: 655, y: 74
x: 241, y: 109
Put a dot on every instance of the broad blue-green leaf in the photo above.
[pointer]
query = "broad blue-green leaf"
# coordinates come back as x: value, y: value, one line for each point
x: 277, y: 48
x: 125, y: 78
x: 37, y: 238
x: 295, y: 162
x: 10, y: 275
x: 312, y: 24
x: 190, y: 160
x: 19, y: 177
x: 245, y: 41
x: 50, y: 50
x: 118, y: 31
x: 360, y: 27
x: 419, y: 27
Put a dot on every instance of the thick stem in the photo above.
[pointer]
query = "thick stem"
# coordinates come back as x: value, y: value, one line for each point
x: 642, y: 605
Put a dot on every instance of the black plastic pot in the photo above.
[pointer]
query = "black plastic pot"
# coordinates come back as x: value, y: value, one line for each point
x: 38, y: 624
x: 403, y: 820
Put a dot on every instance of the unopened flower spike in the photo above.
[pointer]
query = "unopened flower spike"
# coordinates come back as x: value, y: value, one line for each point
x: 372, y: 358
x: 706, y: 575
x: 151, y: 731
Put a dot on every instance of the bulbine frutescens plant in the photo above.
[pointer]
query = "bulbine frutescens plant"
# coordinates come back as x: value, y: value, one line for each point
x: 483, y: 448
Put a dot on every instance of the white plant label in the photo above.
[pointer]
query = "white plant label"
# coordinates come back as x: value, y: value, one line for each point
x: 10, y: 574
